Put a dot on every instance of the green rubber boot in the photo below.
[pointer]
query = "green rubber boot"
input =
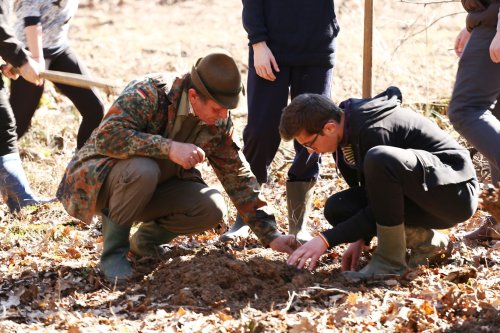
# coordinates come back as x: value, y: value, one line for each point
x: 148, y: 238
x: 114, y: 263
x: 389, y: 258
x: 427, y: 246
x: 298, y: 198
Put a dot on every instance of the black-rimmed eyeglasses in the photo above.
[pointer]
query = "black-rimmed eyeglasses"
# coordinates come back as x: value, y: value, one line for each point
x: 309, y: 144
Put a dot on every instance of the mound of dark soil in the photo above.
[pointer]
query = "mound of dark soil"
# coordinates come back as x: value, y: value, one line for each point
x: 214, y: 278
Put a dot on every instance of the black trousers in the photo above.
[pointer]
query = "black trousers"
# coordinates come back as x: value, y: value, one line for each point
x: 393, y: 194
x: 25, y: 97
x: 8, y: 136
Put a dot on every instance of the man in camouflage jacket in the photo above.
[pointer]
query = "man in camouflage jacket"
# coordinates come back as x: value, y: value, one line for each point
x: 139, y: 165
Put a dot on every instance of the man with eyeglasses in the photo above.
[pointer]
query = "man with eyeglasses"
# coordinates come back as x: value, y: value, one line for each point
x: 407, y: 177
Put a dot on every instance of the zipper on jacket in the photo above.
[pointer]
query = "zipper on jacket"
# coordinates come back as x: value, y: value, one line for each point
x: 424, y: 169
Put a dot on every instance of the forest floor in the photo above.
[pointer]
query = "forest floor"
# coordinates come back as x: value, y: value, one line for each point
x: 49, y: 271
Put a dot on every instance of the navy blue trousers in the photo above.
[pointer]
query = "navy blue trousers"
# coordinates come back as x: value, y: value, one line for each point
x: 266, y: 100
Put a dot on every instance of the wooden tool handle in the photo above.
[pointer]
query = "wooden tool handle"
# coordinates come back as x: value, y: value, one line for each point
x: 76, y: 80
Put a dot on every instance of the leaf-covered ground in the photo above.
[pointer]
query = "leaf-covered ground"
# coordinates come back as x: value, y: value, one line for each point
x: 49, y: 276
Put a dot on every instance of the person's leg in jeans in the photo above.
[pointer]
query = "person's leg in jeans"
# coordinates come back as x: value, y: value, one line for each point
x: 8, y: 135
x: 87, y: 101
x: 313, y: 80
x: 474, y: 109
x: 14, y: 185
x: 266, y: 100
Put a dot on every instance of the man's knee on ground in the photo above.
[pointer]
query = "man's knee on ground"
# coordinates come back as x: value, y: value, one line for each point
x: 213, y: 207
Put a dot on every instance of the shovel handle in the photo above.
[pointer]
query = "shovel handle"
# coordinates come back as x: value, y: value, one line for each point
x: 76, y: 80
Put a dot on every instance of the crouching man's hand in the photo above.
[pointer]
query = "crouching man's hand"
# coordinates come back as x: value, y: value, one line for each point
x: 308, y: 254
x: 350, y: 258
x: 186, y: 155
x: 286, y: 244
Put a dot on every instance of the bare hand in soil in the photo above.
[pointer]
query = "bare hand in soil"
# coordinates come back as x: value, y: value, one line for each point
x: 308, y: 254
x: 286, y: 244
x: 350, y: 258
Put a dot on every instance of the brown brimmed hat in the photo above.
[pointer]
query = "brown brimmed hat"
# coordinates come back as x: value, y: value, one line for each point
x: 217, y: 77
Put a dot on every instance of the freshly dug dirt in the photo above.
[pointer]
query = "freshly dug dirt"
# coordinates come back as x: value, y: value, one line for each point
x: 222, y: 278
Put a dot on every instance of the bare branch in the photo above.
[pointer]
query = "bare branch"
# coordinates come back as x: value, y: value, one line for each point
x: 417, y: 2
x: 423, y: 30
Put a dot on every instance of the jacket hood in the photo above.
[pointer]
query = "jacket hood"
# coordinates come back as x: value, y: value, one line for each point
x: 367, y: 111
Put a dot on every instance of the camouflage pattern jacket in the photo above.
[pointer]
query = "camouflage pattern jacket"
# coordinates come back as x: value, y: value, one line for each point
x: 138, y: 124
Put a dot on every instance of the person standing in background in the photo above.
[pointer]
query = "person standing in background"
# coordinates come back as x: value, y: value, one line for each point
x: 291, y: 51
x: 14, y: 185
x: 474, y: 109
x: 43, y: 26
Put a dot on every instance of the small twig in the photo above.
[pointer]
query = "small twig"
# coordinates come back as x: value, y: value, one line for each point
x: 423, y: 30
x: 189, y: 307
x: 416, y: 2
x: 289, y: 302
x: 329, y: 289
